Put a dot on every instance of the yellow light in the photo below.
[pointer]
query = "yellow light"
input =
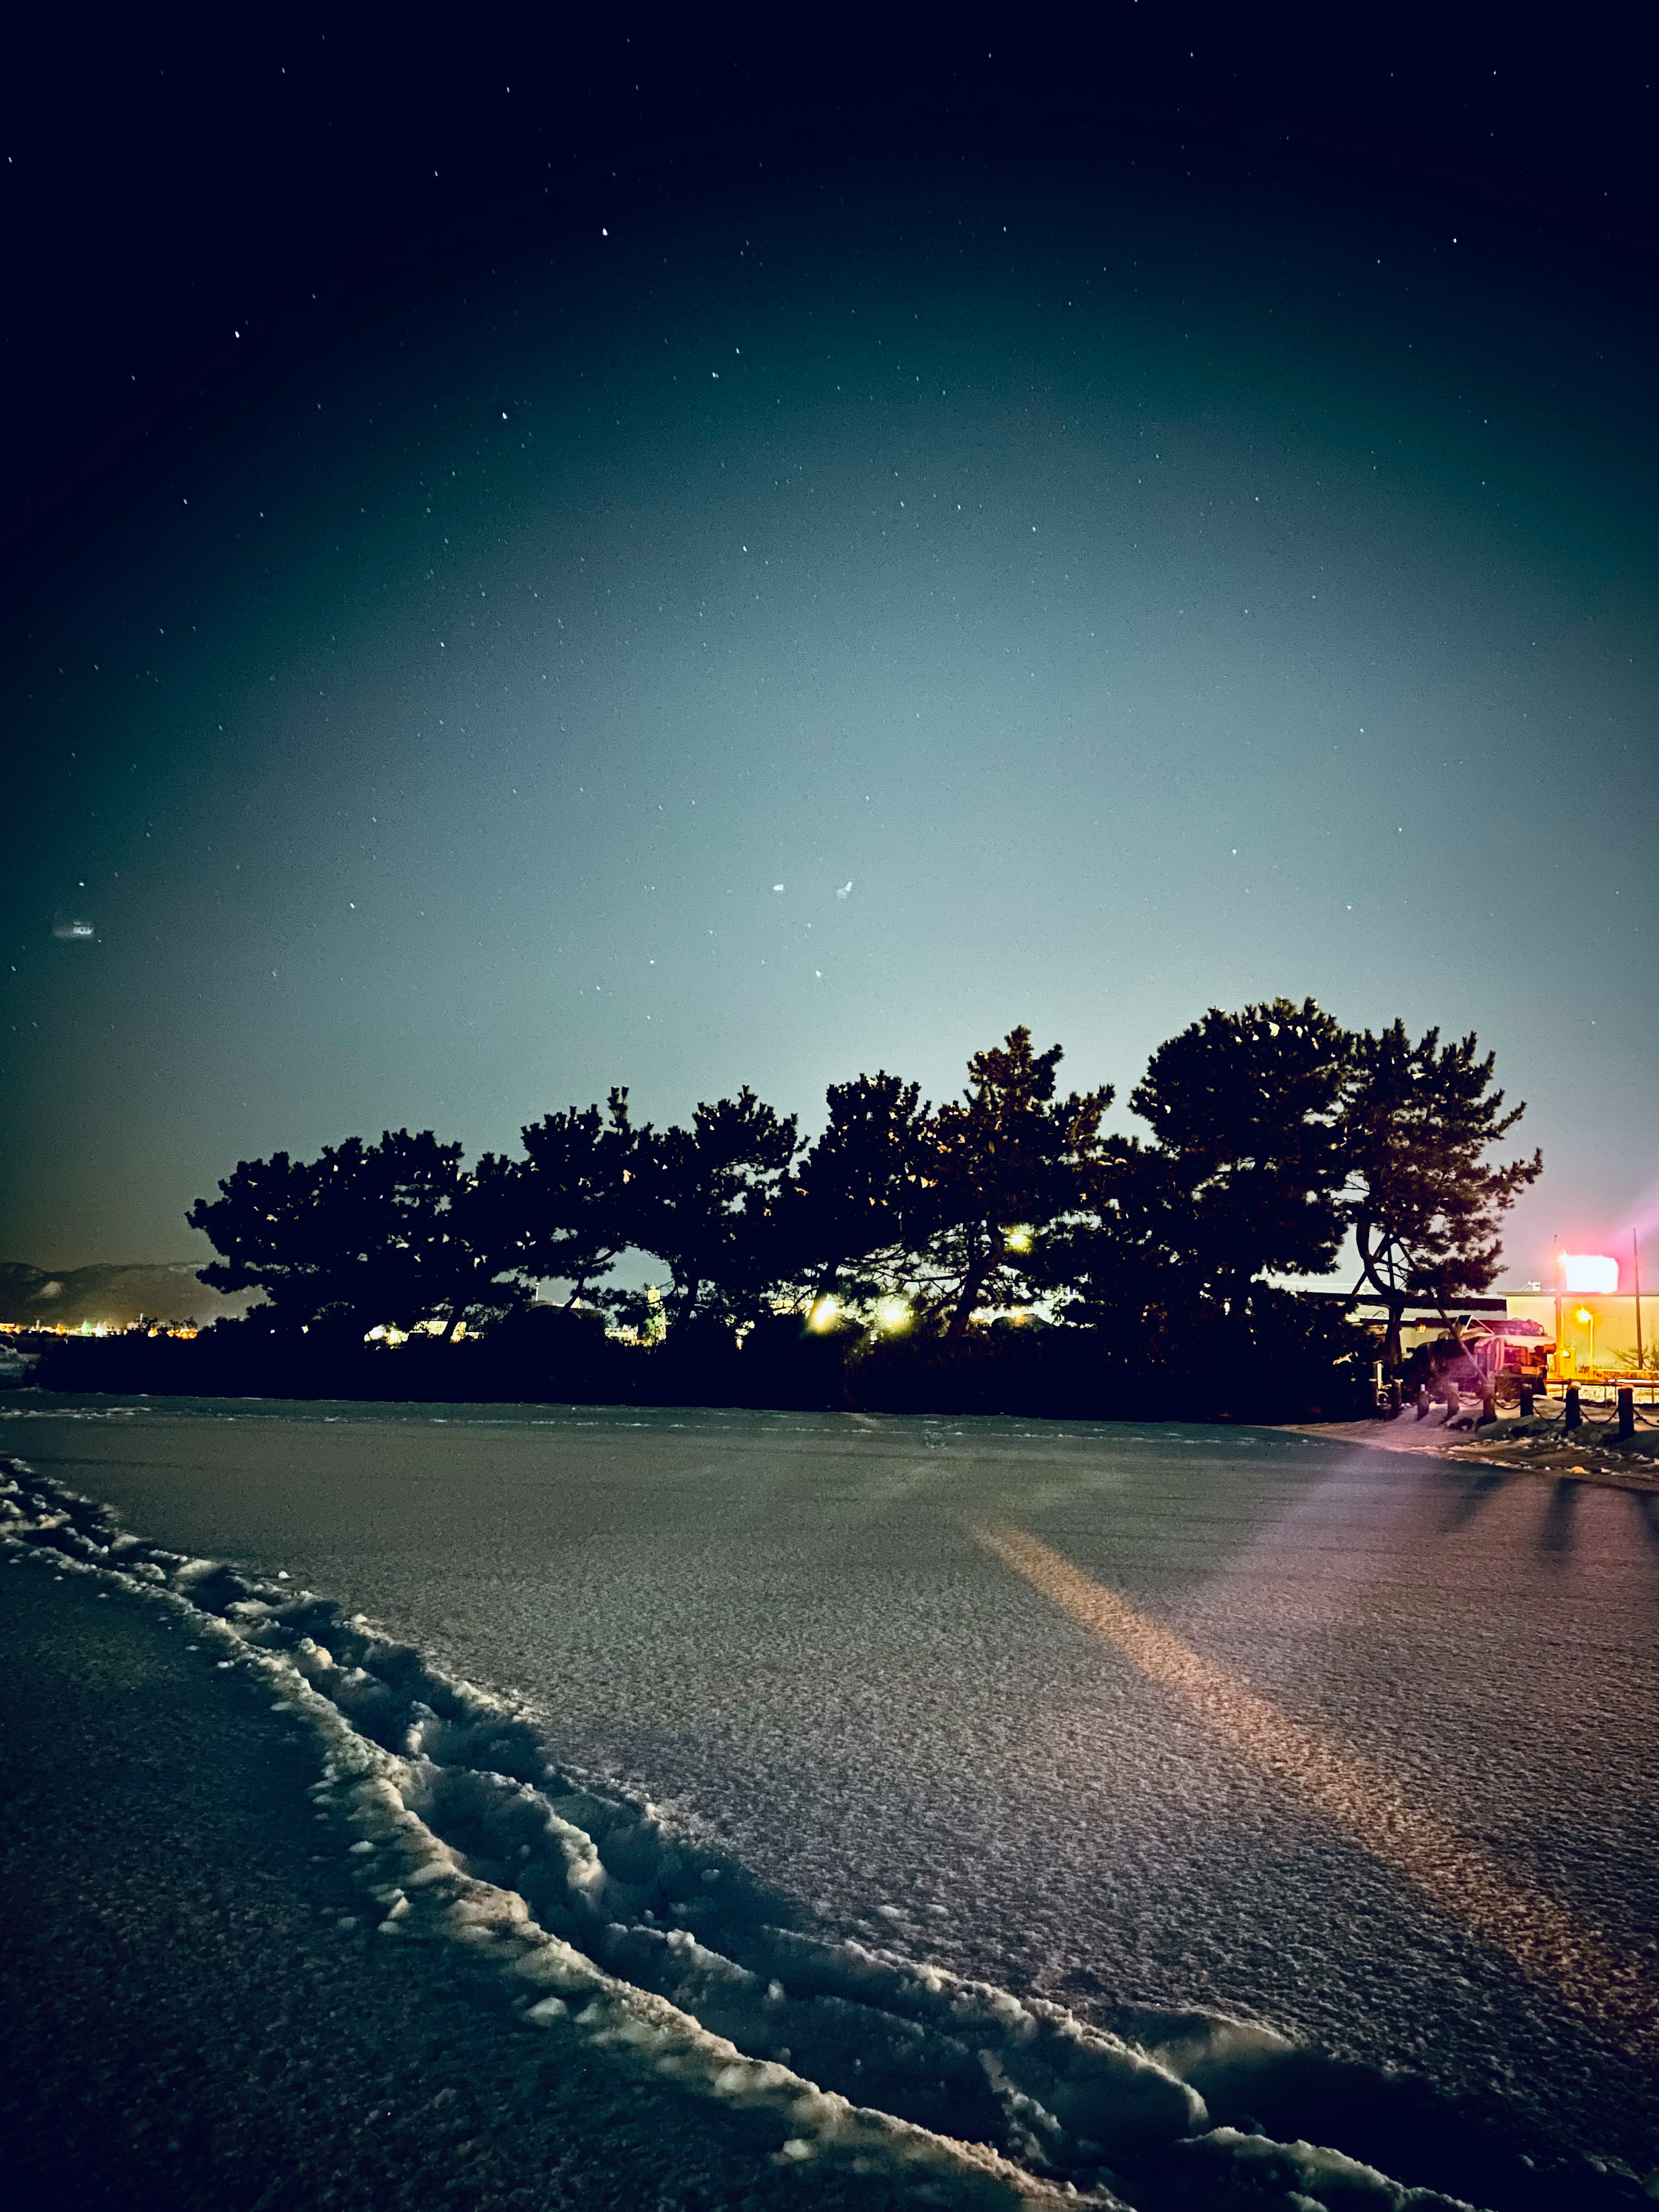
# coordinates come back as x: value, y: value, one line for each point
x: 1582, y: 1316
x: 892, y: 1313
x: 1018, y: 1240
x: 824, y: 1314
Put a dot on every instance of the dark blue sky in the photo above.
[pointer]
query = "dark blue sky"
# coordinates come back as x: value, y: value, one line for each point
x: 811, y: 612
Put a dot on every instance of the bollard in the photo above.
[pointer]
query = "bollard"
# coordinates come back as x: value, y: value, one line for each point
x: 1488, y: 1406
x: 1527, y: 1402
x: 1627, y: 1412
x: 1572, y: 1418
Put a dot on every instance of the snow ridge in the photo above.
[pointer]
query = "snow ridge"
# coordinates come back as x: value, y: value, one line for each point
x: 606, y: 1923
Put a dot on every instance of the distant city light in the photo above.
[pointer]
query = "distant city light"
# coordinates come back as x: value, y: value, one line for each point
x: 1583, y: 1272
x: 142, y: 1326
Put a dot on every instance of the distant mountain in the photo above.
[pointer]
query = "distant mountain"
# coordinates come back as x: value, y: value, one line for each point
x: 161, y: 1290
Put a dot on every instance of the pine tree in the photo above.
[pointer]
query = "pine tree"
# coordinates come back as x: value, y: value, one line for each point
x: 704, y: 1201
x: 396, y: 1233
x: 1417, y: 1123
x: 574, y: 1192
x: 1001, y: 1169
x: 1244, y: 1108
x: 857, y: 1192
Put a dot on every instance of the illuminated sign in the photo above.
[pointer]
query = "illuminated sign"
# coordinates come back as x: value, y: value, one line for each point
x: 1588, y: 1271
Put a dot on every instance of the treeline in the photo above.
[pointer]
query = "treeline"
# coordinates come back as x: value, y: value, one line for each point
x: 999, y: 1248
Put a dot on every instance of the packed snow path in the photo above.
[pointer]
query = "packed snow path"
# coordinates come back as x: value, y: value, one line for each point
x: 814, y: 1643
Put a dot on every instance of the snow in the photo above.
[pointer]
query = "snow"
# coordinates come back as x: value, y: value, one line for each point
x: 637, y: 1926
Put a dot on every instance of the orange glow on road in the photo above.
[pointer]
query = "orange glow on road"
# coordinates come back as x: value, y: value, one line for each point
x: 1544, y: 1938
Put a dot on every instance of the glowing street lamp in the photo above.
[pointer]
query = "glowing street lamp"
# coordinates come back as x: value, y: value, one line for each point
x: 1579, y: 1274
x: 1582, y: 1317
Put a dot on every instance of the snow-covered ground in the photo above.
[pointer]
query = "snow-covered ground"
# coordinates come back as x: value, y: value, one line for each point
x: 1350, y: 1749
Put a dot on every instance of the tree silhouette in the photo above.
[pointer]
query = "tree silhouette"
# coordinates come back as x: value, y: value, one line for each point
x: 1125, y: 1263
x: 857, y: 1191
x: 1272, y: 1132
x: 396, y: 1233
x: 478, y: 1261
x: 999, y: 1169
x: 1244, y: 1109
x: 1417, y: 1122
x: 574, y: 1192
x: 704, y: 1201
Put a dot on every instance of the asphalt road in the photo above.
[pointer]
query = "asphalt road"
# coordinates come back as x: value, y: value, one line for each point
x: 1353, y: 1745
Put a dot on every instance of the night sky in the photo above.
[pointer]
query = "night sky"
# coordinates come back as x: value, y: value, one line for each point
x: 949, y: 548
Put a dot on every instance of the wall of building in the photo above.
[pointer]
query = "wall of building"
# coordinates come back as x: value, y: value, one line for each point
x: 1613, y: 1318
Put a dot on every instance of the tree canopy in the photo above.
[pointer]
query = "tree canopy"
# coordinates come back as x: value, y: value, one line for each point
x: 861, y: 1189
x: 395, y: 1233
x: 704, y: 1201
x: 572, y: 1192
x: 1245, y: 1109
x: 1271, y: 1134
x: 1425, y: 1204
x: 1001, y: 1167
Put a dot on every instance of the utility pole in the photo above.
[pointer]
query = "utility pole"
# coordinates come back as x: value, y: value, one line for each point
x: 1636, y: 1278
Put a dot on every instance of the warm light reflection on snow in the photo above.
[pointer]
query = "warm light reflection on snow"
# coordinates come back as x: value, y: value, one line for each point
x: 1544, y: 1938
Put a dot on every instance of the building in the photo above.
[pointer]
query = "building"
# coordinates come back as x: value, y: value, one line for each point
x: 1596, y: 1332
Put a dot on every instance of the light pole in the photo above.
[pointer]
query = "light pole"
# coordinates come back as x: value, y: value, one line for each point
x: 1581, y: 1316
